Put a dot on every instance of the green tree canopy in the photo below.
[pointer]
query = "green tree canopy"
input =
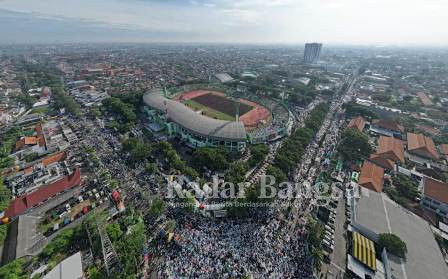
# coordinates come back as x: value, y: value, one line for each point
x: 393, y: 244
x: 354, y: 145
x: 120, y: 108
x: 258, y: 153
x: 353, y: 109
x: 214, y: 159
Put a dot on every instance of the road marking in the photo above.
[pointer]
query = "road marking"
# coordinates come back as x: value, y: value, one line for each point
x: 390, y: 230
x: 338, y: 267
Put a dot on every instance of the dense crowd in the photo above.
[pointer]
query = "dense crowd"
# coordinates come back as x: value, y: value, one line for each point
x: 236, y: 248
x: 258, y: 247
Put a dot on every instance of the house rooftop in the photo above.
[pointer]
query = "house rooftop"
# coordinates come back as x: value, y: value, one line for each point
x: 371, y: 176
x: 389, y: 124
x: 422, y: 145
x: 391, y: 145
x: 435, y: 189
x: 357, y: 123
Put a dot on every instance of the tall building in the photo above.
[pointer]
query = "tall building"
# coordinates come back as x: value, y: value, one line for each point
x: 312, y: 52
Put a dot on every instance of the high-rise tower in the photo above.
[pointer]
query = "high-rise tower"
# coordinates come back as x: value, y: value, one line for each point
x: 312, y: 52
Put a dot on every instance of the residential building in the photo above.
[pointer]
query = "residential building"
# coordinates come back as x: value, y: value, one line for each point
x: 390, y: 151
x: 371, y: 177
x: 435, y: 196
x: 387, y: 127
x: 357, y: 123
x: 422, y: 146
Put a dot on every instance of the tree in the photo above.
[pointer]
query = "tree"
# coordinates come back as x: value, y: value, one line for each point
x: 151, y: 168
x: 124, y: 110
x: 354, y: 145
x: 157, y: 207
x: 93, y: 273
x: 63, y: 100
x: 278, y: 174
x: 31, y: 157
x: 138, y: 149
x: 114, y: 231
x: 130, y: 249
x: 14, y: 270
x: 381, y: 97
x: 353, y: 109
x: 192, y: 173
x: 406, y: 187
x: 214, y: 159
x: 258, y: 153
x: 315, y: 236
x: 237, y: 173
x: 393, y: 244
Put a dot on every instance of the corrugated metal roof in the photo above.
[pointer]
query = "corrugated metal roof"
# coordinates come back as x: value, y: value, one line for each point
x: 364, y: 250
x: 194, y: 122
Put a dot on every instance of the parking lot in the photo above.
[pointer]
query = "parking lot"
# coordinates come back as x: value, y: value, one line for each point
x: 334, y: 266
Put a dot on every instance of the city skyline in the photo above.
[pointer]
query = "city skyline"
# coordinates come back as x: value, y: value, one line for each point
x: 226, y: 21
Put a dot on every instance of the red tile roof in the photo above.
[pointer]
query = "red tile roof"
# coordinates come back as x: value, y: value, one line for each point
x: 424, y: 99
x: 444, y: 148
x: 357, y: 123
x: 53, y: 158
x: 436, y: 190
x: 428, y: 129
x: 382, y: 161
x: 38, y: 129
x: 20, y: 143
x: 392, y: 148
x: 421, y: 145
x: 371, y: 177
x: 25, y: 202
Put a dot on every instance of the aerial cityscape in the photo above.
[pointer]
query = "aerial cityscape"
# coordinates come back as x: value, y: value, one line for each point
x: 131, y: 152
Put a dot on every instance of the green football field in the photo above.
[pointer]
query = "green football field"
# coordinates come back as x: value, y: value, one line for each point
x: 209, y: 111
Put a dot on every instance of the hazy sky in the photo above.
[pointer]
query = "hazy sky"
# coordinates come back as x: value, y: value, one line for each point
x: 247, y: 21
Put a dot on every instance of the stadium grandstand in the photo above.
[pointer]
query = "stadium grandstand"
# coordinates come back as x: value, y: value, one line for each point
x: 193, y: 128
x: 203, y: 115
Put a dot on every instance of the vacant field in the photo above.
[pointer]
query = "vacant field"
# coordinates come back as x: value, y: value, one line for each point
x: 221, y: 104
x: 208, y: 111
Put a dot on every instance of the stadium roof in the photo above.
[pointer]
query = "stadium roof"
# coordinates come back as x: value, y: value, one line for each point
x: 22, y: 203
x: 357, y: 123
x: 196, y: 123
x: 422, y: 145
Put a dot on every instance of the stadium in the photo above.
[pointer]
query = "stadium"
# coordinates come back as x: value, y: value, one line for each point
x: 204, y: 116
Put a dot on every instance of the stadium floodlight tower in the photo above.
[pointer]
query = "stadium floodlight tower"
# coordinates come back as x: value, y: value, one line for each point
x: 235, y: 97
